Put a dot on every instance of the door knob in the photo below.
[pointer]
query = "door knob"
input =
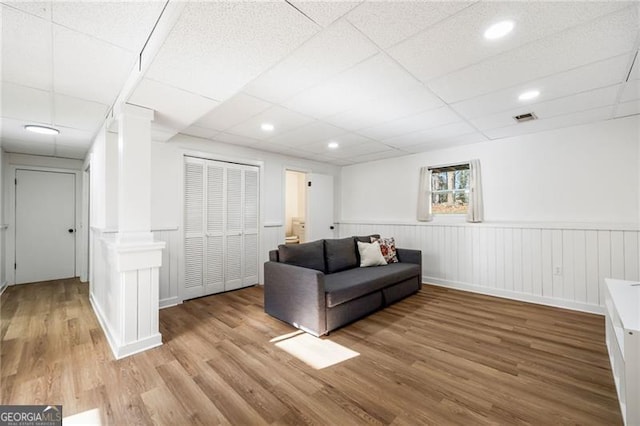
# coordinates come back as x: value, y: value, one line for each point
x: 71, y: 230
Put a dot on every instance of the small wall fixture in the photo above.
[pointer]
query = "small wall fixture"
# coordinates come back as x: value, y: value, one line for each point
x: 43, y: 130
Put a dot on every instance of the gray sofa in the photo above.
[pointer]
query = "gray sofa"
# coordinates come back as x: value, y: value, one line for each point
x: 320, y: 286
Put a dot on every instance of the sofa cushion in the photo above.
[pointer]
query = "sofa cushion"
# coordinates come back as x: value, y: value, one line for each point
x: 308, y: 255
x: 370, y: 254
x: 353, y: 283
x: 340, y: 254
x: 367, y: 238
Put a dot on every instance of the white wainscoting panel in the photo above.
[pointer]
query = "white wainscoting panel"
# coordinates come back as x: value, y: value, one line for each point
x: 169, y: 277
x: 556, y: 266
x: 272, y: 236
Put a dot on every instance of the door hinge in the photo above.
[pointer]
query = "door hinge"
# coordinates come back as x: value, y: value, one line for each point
x: 16, y: 181
x: 15, y: 266
x: 309, y: 183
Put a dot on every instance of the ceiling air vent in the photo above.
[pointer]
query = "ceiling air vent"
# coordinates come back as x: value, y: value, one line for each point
x: 525, y: 117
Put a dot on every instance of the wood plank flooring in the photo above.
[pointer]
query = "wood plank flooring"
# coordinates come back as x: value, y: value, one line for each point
x: 439, y: 357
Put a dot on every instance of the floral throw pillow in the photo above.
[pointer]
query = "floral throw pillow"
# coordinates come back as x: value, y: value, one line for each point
x: 388, y: 248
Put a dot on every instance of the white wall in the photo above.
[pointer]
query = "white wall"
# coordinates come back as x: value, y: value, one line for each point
x: 561, y: 210
x: 582, y: 174
x: 10, y: 163
x: 167, y: 203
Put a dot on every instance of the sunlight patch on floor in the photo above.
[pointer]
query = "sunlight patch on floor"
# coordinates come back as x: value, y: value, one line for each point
x: 313, y: 351
x: 87, y: 418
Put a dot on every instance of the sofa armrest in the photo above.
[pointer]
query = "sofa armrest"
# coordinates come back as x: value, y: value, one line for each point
x: 295, y: 295
x: 410, y: 256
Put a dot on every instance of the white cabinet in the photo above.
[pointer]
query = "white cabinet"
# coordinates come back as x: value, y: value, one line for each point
x: 622, y: 310
x: 221, y: 202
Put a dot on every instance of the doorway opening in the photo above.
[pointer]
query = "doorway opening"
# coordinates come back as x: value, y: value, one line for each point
x: 296, y: 206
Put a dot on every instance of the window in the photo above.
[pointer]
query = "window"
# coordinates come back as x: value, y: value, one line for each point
x: 450, y: 189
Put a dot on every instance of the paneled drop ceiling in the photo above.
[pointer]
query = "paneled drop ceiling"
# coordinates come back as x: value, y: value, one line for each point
x: 382, y: 79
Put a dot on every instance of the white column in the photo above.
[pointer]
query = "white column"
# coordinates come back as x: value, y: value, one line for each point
x: 134, y: 258
x: 134, y: 174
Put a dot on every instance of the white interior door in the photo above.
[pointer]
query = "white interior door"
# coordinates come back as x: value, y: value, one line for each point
x: 45, y: 226
x: 319, y: 221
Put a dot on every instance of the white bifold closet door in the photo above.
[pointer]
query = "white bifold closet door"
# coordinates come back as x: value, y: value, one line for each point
x: 221, y: 226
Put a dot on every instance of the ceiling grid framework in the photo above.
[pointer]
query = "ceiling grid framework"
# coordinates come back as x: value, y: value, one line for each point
x: 382, y: 79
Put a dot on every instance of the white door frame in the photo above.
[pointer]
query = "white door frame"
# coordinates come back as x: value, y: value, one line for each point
x: 226, y: 159
x: 283, y: 225
x: 11, y: 215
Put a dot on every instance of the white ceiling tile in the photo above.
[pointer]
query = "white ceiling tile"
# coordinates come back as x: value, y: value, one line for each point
x: 174, y: 108
x: 589, y: 77
x: 14, y: 130
x: 345, y: 141
x: 635, y: 70
x: 41, y: 9
x: 335, y: 49
x: 309, y: 133
x: 386, y: 108
x: 568, y: 104
x: 28, y: 147
x: 631, y: 91
x: 447, y: 131
x: 603, y: 38
x: 368, y: 80
x: 70, y: 152
x: 383, y: 155
x: 235, y: 139
x: 199, y: 132
x: 233, y: 111
x: 354, y: 151
x: 78, y: 113
x: 88, y: 68
x: 556, y: 122
x: 422, y: 121
x: 281, y: 118
x: 627, y: 108
x: 25, y: 103
x: 324, y: 12
x: 126, y: 24
x: 447, y: 142
x: 218, y: 47
x: 387, y: 23
x: 26, y: 49
x: 458, y: 42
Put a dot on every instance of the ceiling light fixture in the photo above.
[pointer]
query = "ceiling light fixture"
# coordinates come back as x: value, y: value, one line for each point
x: 498, y: 30
x: 267, y: 127
x: 43, y: 130
x: 528, y: 95
x: 333, y: 145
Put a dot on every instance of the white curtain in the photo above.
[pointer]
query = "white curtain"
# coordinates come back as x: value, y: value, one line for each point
x: 475, y: 209
x: 424, y: 196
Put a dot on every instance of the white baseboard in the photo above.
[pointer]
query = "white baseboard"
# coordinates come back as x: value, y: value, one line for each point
x: 105, y: 326
x: 523, y: 297
x: 168, y: 302
x: 121, y: 351
x: 3, y: 287
x: 139, y: 346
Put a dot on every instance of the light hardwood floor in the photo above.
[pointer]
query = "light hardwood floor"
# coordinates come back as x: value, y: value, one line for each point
x: 439, y: 357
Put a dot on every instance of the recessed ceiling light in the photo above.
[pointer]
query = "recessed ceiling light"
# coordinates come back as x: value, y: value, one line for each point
x: 333, y: 145
x: 267, y: 127
x: 44, y: 130
x: 531, y: 94
x: 498, y: 30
